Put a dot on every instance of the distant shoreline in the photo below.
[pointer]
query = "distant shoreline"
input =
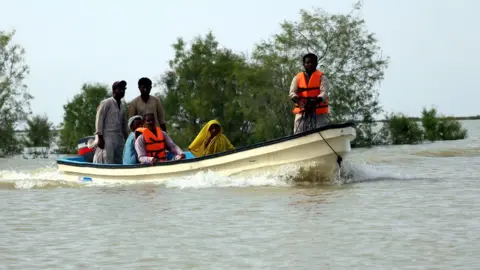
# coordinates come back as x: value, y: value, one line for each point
x: 477, y: 117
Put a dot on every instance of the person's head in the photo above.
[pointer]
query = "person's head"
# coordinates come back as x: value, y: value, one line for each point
x: 214, y: 130
x: 310, y: 62
x: 118, y: 89
x: 149, y: 121
x: 145, y: 86
x: 135, y: 122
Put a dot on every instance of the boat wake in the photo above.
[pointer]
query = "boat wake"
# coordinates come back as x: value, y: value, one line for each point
x: 37, y: 179
x: 286, y: 176
x: 450, y: 152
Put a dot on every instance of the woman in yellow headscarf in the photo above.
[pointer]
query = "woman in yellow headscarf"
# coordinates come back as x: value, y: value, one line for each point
x: 210, y: 140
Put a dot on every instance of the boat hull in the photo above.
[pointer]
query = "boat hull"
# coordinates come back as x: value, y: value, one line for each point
x: 297, y: 150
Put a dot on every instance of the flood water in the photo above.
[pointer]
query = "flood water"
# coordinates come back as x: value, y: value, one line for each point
x: 397, y: 207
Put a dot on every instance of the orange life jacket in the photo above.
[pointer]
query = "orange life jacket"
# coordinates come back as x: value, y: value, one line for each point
x: 155, y: 145
x: 310, y: 90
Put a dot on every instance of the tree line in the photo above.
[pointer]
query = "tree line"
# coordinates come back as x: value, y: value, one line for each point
x: 247, y: 94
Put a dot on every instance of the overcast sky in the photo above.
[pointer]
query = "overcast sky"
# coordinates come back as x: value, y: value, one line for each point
x: 433, y: 45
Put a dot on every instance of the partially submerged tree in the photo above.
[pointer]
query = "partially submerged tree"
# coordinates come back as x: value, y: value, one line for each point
x: 9, y: 144
x: 14, y: 95
x: 441, y: 127
x: 79, y: 115
x: 348, y: 55
x: 399, y: 129
x: 40, y: 132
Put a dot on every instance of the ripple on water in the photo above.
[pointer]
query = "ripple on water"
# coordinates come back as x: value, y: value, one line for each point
x: 397, y: 207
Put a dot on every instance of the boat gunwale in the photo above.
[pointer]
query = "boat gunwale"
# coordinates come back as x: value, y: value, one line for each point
x: 67, y: 161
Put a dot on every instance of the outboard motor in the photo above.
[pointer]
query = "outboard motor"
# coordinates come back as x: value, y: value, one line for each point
x: 83, y: 149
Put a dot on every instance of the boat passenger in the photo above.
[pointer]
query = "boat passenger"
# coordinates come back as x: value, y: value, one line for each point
x: 147, y: 103
x: 210, y: 140
x: 111, y: 127
x: 129, y: 153
x: 151, y: 142
x: 309, y: 87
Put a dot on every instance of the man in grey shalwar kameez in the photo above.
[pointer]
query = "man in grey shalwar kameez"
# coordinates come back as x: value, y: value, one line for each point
x: 111, y: 127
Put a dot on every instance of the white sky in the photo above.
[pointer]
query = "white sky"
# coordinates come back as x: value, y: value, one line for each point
x: 433, y: 45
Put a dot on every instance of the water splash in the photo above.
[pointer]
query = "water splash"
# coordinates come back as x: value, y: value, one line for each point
x: 38, y: 178
x: 275, y: 178
x: 356, y: 173
x: 285, y: 176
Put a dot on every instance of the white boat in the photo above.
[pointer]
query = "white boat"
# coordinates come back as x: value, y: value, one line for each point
x: 321, y: 147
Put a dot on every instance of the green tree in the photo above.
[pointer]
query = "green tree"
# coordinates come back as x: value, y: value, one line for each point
x: 208, y: 82
x: 451, y: 129
x: 399, y: 129
x: 14, y: 95
x: 9, y: 144
x: 40, y: 132
x: 441, y: 127
x: 79, y: 115
x: 348, y: 55
x: 430, y: 124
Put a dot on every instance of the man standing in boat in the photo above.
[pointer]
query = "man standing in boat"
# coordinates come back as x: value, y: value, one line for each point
x: 145, y: 103
x: 309, y: 91
x: 111, y: 127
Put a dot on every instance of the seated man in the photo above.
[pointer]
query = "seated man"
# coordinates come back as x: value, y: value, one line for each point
x: 129, y: 153
x: 210, y: 140
x: 151, y: 142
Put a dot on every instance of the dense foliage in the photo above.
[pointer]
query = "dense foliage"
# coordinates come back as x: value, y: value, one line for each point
x: 14, y: 95
x: 79, y: 116
x: 207, y: 82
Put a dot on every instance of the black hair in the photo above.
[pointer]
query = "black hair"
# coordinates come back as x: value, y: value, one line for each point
x: 311, y: 56
x: 120, y: 84
x: 144, y: 81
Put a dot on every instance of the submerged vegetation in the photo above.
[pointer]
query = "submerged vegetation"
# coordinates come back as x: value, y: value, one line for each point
x: 400, y: 129
x: 441, y: 127
x: 247, y: 94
